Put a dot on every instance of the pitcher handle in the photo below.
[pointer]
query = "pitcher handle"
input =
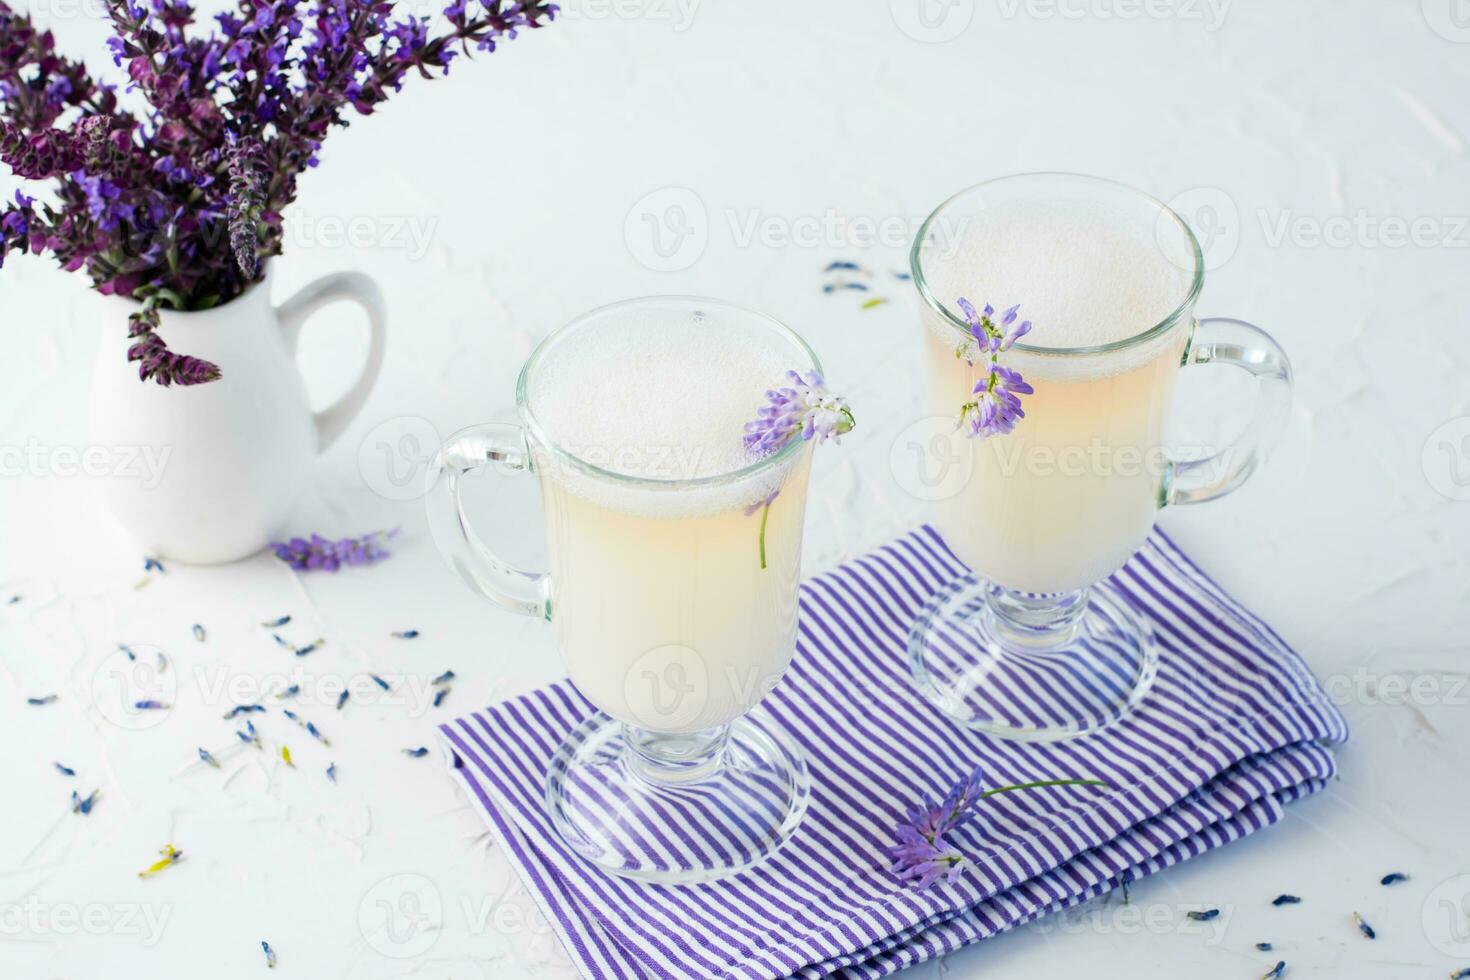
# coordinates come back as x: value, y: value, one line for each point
x: 353, y: 287
x: 464, y: 454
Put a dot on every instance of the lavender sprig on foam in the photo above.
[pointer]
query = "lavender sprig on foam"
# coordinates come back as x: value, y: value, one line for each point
x: 996, y: 407
x: 804, y: 408
x: 922, y: 855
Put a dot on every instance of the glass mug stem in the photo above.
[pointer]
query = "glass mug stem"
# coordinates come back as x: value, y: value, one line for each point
x: 1029, y: 620
x: 689, y: 757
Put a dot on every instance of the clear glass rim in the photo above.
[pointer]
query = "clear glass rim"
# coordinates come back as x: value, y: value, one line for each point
x: 534, y: 427
x: 1197, y: 277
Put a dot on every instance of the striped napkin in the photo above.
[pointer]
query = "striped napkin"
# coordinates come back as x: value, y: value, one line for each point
x: 1235, y: 729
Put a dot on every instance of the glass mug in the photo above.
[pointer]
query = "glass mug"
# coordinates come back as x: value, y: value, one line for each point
x: 674, y: 604
x: 1034, y: 644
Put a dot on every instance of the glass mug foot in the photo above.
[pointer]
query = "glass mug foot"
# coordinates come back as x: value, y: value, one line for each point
x: 677, y: 809
x: 1032, y: 668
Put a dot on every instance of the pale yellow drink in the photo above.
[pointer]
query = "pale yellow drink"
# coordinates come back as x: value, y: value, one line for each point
x: 1063, y: 500
x: 663, y: 613
x: 673, y: 585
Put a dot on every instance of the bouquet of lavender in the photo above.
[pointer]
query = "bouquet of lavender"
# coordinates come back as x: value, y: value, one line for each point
x: 178, y: 205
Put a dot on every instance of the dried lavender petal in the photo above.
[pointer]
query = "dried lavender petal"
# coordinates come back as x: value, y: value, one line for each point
x: 272, y: 624
x: 270, y: 954
x: 1364, y: 927
x: 341, y: 699
x: 1264, y: 947
x: 309, y: 648
x: 1202, y: 916
x: 44, y: 699
x: 249, y: 735
x: 148, y: 704
x: 319, y: 553
x: 198, y: 632
x: 1393, y: 878
x: 440, y: 695
x: 442, y: 679
x: 417, y: 753
x: 380, y: 682
x: 405, y: 634
x: 1277, y: 972
x: 242, y: 709
x: 153, y: 565
x: 64, y: 770
x: 332, y: 772
x: 1280, y: 900
x: 204, y: 754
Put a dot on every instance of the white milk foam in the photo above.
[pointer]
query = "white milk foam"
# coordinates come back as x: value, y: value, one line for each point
x: 1081, y: 283
x: 658, y: 398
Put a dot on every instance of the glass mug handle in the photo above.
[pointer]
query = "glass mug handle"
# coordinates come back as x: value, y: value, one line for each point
x: 1220, y: 340
x: 464, y: 454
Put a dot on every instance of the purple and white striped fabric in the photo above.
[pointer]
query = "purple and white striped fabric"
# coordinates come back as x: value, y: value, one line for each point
x: 1235, y: 729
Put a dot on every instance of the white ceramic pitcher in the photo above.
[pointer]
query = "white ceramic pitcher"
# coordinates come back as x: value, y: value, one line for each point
x: 216, y: 468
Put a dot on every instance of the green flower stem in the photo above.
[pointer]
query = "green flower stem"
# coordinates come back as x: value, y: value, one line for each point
x: 765, y: 515
x: 1043, y: 784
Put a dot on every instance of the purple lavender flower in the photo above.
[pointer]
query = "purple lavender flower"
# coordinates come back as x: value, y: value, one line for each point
x: 176, y: 197
x: 157, y: 362
x: 922, y: 855
x: 318, y: 552
x: 805, y: 408
x: 996, y: 407
x: 761, y: 505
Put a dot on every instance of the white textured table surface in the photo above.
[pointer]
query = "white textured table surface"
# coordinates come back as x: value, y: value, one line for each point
x: 1306, y: 139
